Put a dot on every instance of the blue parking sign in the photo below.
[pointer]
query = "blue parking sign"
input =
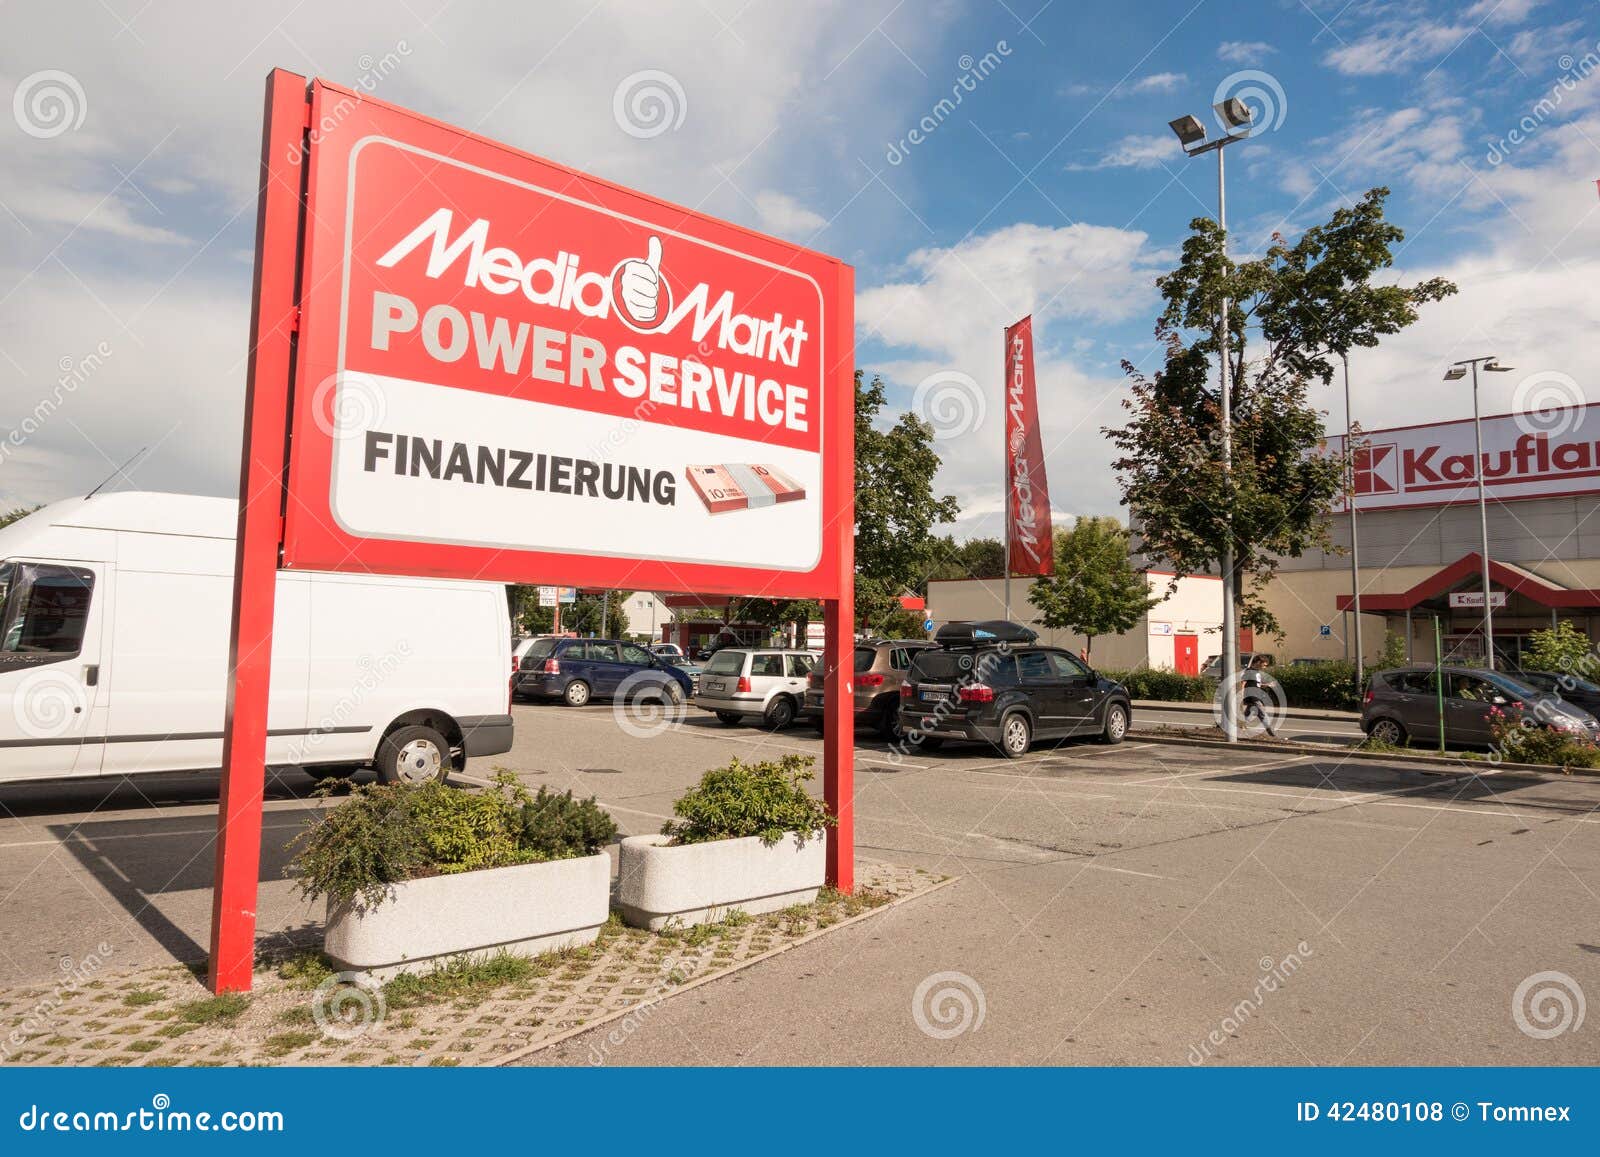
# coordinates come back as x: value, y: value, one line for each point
x: 1324, y: 630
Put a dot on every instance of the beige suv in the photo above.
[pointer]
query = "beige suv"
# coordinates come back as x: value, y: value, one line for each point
x: 750, y: 684
x: 880, y: 668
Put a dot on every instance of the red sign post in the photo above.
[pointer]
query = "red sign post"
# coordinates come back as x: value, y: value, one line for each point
x: 506, y: 370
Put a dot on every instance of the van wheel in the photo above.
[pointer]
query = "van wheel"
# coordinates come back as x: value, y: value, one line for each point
x: 779, y: 713
x: 729, y: 718
x: 1116, y: 728
x: 576, y: 694
x: 1016, y: 735
x: 413, y: 755
x: 1390, y: 731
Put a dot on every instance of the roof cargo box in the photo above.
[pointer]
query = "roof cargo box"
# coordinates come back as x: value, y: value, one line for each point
x: 984, y: 632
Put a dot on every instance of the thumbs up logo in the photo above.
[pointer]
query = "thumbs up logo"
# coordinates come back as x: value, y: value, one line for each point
x: 639, y: 289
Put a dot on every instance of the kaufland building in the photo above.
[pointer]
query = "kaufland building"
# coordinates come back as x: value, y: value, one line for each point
x: 1417, y: 525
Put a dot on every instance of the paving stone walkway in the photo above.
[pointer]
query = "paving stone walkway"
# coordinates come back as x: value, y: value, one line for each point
x: 301, y: 1013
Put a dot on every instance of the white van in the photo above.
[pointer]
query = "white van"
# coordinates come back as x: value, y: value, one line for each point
x: 114, y: 621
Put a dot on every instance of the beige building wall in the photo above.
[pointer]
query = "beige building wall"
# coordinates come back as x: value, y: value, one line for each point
x: 1194, y: 607
x: 1557, y: 539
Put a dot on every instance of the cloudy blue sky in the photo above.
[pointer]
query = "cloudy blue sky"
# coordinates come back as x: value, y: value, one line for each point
x: 1053, y: 186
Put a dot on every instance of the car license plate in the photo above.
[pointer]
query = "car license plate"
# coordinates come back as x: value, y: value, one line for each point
x: 713, y: 684
x: 934, y: 694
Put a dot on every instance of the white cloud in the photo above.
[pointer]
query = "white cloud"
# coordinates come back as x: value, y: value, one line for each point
x: 1395, y: 47
x: 1138, y: 151
x: 1501, y: 11
x: 1156, y: 82
x: 1243, y: 51
x: 781, y: 214
x: 130, y: 227
x: 949, y: 314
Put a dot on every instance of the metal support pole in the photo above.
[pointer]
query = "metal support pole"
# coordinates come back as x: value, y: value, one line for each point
x: 1355, y: 547
x: 1483, y: 524
x: 255, y: 557
x: 1230, y: 628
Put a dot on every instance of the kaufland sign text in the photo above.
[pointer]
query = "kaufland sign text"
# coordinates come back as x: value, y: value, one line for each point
x: 1434, y: 464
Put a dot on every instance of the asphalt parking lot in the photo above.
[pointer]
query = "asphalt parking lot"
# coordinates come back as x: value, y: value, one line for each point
x: 1135, y: 904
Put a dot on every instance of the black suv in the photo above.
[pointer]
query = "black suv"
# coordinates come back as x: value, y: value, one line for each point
x: 990, y: 682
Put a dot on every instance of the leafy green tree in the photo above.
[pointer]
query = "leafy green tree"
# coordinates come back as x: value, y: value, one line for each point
x: 583, y: 616
x: 1306, y: 303
x: 1563, y: 649
x: 896, y: 508
x: 1096, y: 589
x: 981, y: 558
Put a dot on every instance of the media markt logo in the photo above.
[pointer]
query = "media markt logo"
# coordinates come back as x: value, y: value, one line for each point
x: 1375, y: 470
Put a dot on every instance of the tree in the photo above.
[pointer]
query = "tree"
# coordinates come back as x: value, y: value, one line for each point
x: 1095, y: 590
x: 7, y: 517
x: 1308, y: 303
x: 1563, y: 649
x: 896, y: 509
x: 582, y: 617
x: 977, y: 558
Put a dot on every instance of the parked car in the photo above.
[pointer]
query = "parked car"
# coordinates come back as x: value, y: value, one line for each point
x: 577, y: 670
x: 1404, y: 704
x: 689, y: 667
x: 1213, y: 666
x: 667, y: 651
x: 749, y: 684
x: 880, y: 669
x: 114, y: 623
x: 1577, y: 691
x: 992, y: 682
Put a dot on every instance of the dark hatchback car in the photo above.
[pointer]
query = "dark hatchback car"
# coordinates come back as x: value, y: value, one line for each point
x: 577, y: 670
x: 1575, y: 690
x: 991, y: 682
x: 1404, y: 704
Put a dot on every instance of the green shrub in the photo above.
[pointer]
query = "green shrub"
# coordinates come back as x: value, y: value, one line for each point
x: 1330, y: 686
x: 1169, y: 686
x: 388, y: 833
x: 558, y: 827
x: 1521, y: 741
x: 750, y: 799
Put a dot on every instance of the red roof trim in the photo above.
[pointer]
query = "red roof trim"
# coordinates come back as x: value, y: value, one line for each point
x: 1467, y: 566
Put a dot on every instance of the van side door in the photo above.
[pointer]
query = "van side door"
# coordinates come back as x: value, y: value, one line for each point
x: 52, y: 709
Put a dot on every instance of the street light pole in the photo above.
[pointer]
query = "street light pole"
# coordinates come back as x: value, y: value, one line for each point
x: 1355, y: 547
x: 1455, y: 373
x: 1235, y: 115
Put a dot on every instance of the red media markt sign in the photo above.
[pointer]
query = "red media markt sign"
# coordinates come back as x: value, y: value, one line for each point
x: 508, y: 369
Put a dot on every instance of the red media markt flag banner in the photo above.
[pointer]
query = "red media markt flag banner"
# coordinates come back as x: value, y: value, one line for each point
x: 1031, y: 550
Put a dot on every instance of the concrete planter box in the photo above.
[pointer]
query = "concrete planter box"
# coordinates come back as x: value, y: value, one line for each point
x: 700, y: 883
x: 526, y: 909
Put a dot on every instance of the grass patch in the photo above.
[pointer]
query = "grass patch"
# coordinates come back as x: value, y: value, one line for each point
x: 464, y: 978
x: 284, y: 1043
x: 140, y: 997
x: 300, y: 1014
x: 305, y: 969
x: 143, y: 1046
x: 224, y: 1009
